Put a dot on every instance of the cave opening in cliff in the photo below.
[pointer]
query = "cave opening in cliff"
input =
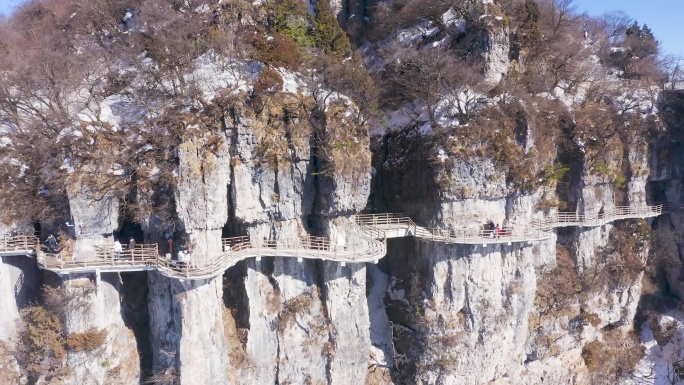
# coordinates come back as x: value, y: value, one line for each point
x: 136, y: 316
x: 232, y: 229
x: 129, y: 227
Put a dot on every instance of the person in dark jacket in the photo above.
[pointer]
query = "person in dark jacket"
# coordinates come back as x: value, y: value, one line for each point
x: 51, y: 243
x: 169, y: 238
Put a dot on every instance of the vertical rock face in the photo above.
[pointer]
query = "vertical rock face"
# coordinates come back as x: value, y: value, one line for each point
x: 187, y: 330
x: 304, y: 325
x: 202, y: 193
x: 497, y: 53
x: 95, y: 217
x: 307, y: 321
x: 10, y: 312
x: 292, y: 319
x: 288, y: 328
x: 97, y: 308
x: 345, y: 301
x: 460, y: 312
x: 260, y: 193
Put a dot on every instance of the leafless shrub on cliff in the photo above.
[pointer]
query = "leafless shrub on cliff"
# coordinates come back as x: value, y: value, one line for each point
x: 428, y: 77
x: 62, y: 301
x: 40, y: 351
x: 614, y: 359
x: 293, y: 307
x: 168, y: 377
x: 558, y: 288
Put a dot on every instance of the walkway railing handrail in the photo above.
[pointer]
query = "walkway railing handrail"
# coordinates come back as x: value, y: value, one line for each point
x: 370, y: 247
x: 17, y: 243
x: 563, y: 219
x: 105, y: 256
x: 468, y: 235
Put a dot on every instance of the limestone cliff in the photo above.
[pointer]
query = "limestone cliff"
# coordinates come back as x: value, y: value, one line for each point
x: 273, y: 149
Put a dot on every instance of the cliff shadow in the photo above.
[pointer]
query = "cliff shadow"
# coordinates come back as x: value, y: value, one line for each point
x: 27, y: 279
x: 136, y: 316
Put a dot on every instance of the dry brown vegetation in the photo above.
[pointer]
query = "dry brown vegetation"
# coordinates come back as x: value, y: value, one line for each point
x: 60, y: 301
x: 549, y: 50
x: 42, y: 346
x: 614, y: 358
x: 87, y: 341
x: 40, y: 351
x: 76, y: 46
x: 296, y: 306
x: 168, y: 377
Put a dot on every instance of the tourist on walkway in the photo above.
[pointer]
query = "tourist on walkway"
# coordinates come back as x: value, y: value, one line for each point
x: 498, y: 231
x: 169, y: 238
x: 51, y: 243
x: 131, y: 246
x: 117, y: 249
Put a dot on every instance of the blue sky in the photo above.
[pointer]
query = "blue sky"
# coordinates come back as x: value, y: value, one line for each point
x: 6, y: 6
x: 664, y: 17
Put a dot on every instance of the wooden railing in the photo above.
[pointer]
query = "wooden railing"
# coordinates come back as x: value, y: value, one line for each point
x: 19, y: 244
x: 236, y: 249
x: 564, y: 219
x: 105, y: 257
x: 537, y: 230
x: 374, y: 229
x: 389, y: 223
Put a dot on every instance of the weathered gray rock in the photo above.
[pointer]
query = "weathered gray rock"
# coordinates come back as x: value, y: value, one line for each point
x: 97, y: 308
x: 187, y: 330
x: 10, y: 312
x: 496, y: 55
x: 95, y: 217
x: 202, y: 194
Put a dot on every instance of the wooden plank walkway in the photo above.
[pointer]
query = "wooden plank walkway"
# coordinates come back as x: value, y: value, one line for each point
x: 374, y: 229
x: 17, y: 244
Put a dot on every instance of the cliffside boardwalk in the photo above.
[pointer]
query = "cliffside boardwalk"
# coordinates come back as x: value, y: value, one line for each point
x: 369, y: 246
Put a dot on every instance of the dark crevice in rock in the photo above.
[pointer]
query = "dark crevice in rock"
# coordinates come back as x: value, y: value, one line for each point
x: 570, y: 154
x: 235, y: 295
x: 408, y: 273
x: 136, y: 316
x: 28, y: 279
x: 376, y: 198
x: 314, y: 221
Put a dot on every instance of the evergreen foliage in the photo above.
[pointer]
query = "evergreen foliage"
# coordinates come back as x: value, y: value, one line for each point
x: 327, y: 32
x: 289, y: 17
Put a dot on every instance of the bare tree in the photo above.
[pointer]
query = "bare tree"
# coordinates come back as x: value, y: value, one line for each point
x: 431, y: 78
x: 613, y: 24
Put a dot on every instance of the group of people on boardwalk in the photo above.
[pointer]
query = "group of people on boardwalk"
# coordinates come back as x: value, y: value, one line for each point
x: 495, y: 231
x: 118, y: 248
